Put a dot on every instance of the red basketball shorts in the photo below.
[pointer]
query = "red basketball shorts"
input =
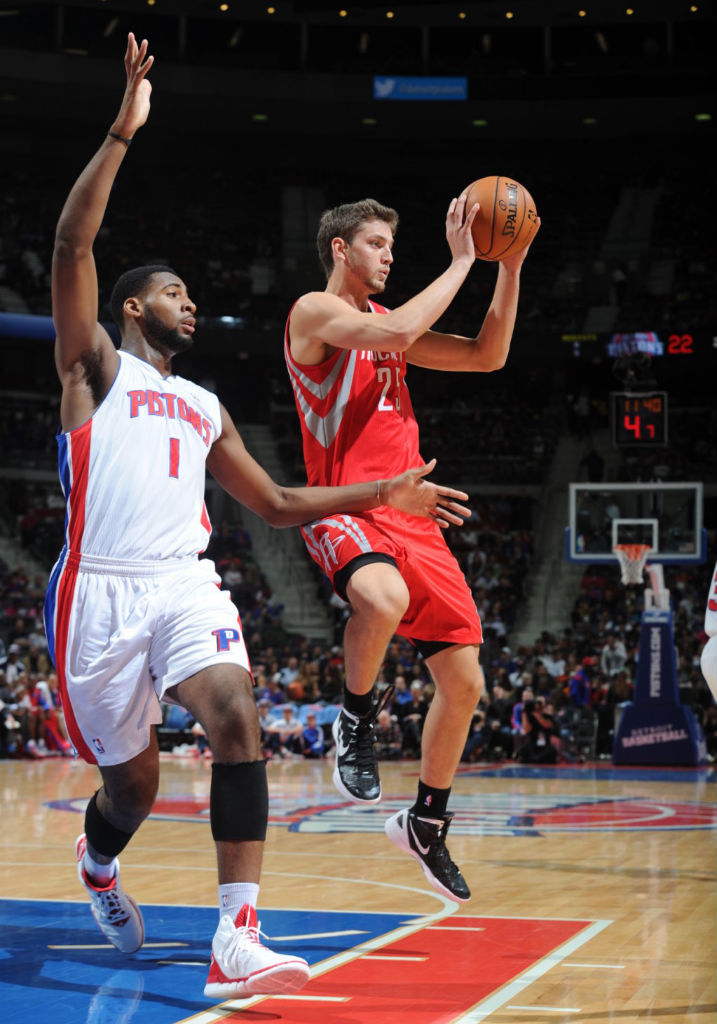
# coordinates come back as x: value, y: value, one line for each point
x: 441, y: 606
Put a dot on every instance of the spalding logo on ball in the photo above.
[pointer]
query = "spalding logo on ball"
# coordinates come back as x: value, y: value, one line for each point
x: 507, y: 219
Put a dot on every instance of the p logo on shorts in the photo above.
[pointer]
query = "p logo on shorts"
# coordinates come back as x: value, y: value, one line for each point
x: 225, y: 638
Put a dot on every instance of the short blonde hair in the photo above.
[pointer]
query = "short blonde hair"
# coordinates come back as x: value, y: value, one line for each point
x: 344, y: 221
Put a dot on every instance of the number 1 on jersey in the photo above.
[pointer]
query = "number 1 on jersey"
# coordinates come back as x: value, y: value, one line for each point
x: 174, y: 457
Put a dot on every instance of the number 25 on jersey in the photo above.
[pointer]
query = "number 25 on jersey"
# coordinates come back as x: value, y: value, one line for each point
x: 389, y: 378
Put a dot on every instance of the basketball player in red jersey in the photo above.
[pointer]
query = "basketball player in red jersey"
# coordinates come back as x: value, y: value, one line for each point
x: 347, y: 359
x: 133, y: 615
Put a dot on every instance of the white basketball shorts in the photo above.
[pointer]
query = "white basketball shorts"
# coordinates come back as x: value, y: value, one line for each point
x: 120, y: 634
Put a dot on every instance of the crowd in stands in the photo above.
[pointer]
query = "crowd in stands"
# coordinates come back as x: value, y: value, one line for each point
x: 228, y: 272
x: 551, y: 701
x: 31, y: 715
x: 28, y: 424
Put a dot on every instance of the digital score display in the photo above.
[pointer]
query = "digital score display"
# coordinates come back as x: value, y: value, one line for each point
x: 639, y: 418
x: 680, y: 345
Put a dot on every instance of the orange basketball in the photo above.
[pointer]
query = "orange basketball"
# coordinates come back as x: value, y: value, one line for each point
x: 507, y: 219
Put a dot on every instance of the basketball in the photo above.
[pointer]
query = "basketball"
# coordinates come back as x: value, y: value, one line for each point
x: 507, y: 219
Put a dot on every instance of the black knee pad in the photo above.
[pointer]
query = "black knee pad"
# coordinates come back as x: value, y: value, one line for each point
x: 239, y: 802
x: 101, y: 836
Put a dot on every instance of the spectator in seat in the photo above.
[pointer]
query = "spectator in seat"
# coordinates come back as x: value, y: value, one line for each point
x: 388, y: 739
x: 613, y: 656
x: 289, y: 729
x: 580, y: 686
x: 538, y: 729
x: 411, y: 716
x: 311, y: 741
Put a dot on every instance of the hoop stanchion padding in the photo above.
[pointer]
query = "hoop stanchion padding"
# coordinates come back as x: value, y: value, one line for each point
x: 654, y: 728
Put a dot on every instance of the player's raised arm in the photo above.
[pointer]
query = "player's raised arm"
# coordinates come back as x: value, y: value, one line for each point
x: 83, y: 347
x: 488, y: 350
x: 241, y: 476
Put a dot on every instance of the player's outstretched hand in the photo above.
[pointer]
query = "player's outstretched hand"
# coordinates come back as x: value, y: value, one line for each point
x: 134, y: 110
x: 412, y: 493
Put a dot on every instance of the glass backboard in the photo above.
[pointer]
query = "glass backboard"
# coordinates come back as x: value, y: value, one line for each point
x: 667, y: 516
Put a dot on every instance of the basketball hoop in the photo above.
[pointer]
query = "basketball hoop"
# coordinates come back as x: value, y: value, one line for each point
x: 632, y: 559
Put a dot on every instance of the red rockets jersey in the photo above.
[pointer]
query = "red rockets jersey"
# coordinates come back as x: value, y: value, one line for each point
x: 356, y: 416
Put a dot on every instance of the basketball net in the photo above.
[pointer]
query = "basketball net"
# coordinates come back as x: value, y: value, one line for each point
x: 633, y: 565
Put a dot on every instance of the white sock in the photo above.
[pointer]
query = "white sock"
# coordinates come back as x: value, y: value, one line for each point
x: 234, y: 895
x: 100, y: 874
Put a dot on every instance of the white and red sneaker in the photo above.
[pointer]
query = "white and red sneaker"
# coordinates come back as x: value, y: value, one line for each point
x: 117, y: 915
x: 241, y: 966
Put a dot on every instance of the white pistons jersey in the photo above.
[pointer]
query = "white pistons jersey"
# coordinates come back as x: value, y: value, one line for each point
x: 131, y: 611
x: 133, y: 475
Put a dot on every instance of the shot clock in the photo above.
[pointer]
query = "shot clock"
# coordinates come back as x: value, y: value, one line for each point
x: 639, y: 418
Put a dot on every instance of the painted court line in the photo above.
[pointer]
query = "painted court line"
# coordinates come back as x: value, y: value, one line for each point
x: 315, y: 999
x: 312, y: 935
x: 546, y: 1009
x: 182, y: 963
x: 498, y: 999
x: 108, y: 945
x: 389, y: 956
x: 599, y: 967
x: 451, y: 928
x: 388, y: 939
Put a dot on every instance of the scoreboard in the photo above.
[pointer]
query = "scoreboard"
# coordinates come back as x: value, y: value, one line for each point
x: 639, y: 418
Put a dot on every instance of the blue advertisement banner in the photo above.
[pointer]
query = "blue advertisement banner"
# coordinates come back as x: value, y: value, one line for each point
x: 659, y: 735
x: 655, y: 728
x: 656, y: 661
x: 397, y: 87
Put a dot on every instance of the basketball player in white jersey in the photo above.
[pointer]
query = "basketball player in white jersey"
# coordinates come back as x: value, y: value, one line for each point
x: 132, y: 615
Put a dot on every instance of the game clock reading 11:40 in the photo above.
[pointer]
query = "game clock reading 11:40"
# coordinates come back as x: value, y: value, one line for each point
x: 639, y: 418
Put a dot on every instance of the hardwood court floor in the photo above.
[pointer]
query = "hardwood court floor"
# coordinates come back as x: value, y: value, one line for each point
x: 594, y: 889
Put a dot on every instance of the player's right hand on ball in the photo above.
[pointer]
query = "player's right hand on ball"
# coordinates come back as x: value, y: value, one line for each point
x: 413, y: 494
x: 459, y: 222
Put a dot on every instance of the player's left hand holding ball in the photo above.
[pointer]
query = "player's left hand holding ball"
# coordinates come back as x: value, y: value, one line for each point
x: 515, y: 261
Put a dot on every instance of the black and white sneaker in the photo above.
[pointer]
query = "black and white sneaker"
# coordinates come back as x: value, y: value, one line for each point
x: 356, y: 768
x: 425, y: 839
